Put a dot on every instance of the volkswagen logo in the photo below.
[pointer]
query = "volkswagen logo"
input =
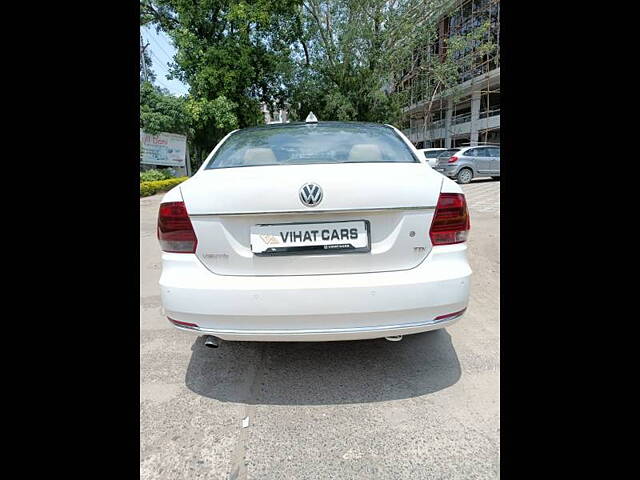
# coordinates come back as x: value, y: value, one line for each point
x: 310, y: 194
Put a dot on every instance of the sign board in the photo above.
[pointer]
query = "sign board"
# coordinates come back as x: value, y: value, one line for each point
x: 165, y: 149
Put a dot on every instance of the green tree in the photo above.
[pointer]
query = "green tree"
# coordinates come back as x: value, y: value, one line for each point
x: 210, y: 121
x: 339, y: 75
x: 351, y: 52
x: 203, y: 122
x: 238, y: 49
x: 343, y: 55
x: 162, y: 112
x: 341, y: 59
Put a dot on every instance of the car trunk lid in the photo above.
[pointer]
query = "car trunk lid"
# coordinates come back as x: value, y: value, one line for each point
x: 395, y: 200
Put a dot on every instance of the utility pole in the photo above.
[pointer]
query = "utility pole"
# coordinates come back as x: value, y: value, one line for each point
x: 144, y: 62
x: 187, y: 160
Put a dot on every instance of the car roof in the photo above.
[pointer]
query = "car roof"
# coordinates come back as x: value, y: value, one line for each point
x: 480, y: 145
x: 319, y: 123
x: 467, y: 147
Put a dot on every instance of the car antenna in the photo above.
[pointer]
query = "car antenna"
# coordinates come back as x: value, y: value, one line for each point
x: 311, y: 118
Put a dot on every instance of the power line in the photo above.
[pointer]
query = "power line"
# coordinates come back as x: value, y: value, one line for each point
x: 164, y: 65
x: 167, y: 87
x: 148, y: 38
x: 163, y: 61
x: 158, y: 58
x: 155, y: 40
x: 166, y: 70
x: 163, y: 85
x: 162, y: 49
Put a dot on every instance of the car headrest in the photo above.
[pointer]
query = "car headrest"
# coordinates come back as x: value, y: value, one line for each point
x: 365, y: 152
x: 259, y: 156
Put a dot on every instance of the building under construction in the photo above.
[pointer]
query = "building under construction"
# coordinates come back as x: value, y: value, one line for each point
x: 469, y: 112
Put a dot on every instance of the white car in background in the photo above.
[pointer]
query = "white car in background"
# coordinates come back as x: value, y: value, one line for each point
x: 314, y: 231
x: 432, y: 154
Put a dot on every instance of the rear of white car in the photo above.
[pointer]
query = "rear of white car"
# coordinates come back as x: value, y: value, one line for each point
x: 328, y: 231
x: 431, y: 155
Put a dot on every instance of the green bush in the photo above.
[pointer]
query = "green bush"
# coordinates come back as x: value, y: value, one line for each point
x: 151, y: 188
x: 155, y: 175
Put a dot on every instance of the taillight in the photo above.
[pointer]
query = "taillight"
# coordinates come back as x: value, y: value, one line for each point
x: 451, y: 220
x: 453, y: 159
x: 186, y: 324
x: 175, y: 231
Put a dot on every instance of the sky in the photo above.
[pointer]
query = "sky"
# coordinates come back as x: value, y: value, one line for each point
x: 161, y: 52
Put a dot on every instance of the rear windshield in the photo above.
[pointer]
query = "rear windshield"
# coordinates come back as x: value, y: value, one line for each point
x: 306, y: 144
x: 447, y: 153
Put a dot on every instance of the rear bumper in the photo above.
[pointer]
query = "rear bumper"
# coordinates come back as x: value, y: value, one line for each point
x: 448, y: 170
x: 316, y: 307
x: 330, y: 334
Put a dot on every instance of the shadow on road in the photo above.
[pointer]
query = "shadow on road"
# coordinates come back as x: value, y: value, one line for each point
x: 324, y: 373
x: 483, y: 180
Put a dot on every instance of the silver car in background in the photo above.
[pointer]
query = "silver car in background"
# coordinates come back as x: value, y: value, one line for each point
x: 432, y: 154
x: 467, y: 163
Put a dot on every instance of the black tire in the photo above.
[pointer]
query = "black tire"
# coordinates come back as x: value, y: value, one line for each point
x: 464, y: 176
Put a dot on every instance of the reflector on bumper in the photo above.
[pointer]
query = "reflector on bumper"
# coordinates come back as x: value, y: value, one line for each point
x: 451, y: 315
x: 182, y: 324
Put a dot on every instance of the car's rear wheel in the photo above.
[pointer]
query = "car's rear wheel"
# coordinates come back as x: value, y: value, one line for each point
x: 464, y: 176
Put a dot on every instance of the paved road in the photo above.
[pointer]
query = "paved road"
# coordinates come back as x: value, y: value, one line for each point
x: 426, y: 407
x: 483, y: 196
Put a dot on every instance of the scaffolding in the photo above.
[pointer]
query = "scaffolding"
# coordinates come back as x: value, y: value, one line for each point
x: 464, y: 18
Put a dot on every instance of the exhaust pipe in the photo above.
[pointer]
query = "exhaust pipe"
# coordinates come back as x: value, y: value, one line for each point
x: 395, y: 338
x: 211, y: 341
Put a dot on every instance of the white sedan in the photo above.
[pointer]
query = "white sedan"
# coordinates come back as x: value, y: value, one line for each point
x: 311, y: 232
x: 432, y: 154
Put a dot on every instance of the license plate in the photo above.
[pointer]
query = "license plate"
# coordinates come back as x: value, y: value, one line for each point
x: 329, y: 237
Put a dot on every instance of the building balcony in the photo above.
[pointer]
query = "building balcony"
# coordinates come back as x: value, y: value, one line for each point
x: 490, y: 79
x: 490, y: 113
x: 488, y: 122
x: 460, y: 125
x: 458, y: 119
